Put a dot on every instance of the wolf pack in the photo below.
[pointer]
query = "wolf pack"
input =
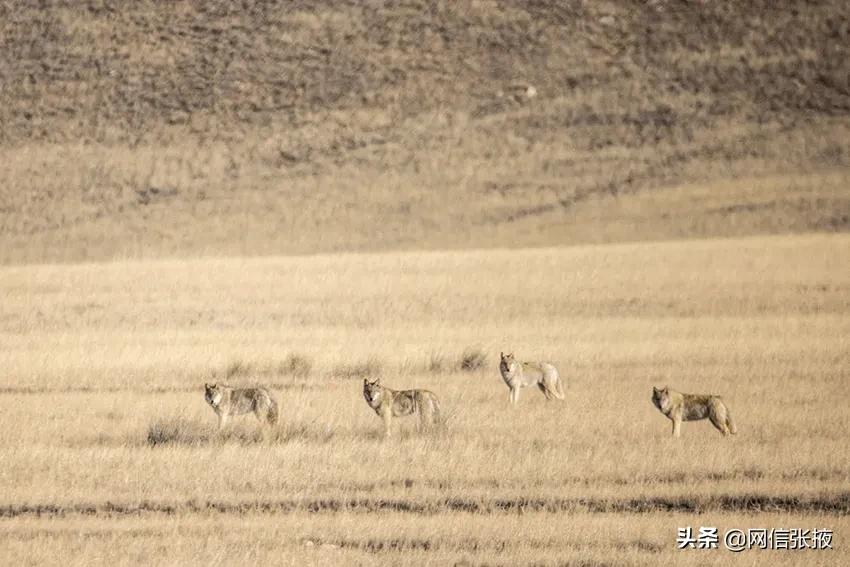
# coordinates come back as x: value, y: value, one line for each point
x: 387, y: 403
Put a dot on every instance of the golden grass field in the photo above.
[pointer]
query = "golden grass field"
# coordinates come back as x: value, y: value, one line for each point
x: 110, y: 454
x: 300, y: 195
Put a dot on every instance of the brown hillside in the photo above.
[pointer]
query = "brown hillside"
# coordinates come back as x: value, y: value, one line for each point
x: 219, y: 127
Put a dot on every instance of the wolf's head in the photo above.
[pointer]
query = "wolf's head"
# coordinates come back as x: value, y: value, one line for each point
x: 506, y: 361
x: 661, y: 397
x: 372, y: 391
x: 212, y: 393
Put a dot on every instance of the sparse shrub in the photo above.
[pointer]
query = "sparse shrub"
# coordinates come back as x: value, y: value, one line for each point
x: 296, y: 365
x: 436, y: 363
x: 237, y: 368
x: 304, y: 432
x: 182, y: 431
x: 177, y: 431
x: 472, y: 359
x: 365, y: 369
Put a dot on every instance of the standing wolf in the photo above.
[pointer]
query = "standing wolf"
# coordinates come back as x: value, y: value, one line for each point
x: 227, y: 401
x: 389, y: 403
x: 679, y: 407
x: 518, y: 375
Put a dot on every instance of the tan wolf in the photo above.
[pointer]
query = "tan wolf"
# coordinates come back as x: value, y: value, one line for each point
x: 519, y: 375
x: 389, y: 403
x: 679, y: 407
x: 226, y: 402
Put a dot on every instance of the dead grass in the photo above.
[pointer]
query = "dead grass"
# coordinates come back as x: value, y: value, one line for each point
x: 109, y: 435
x: 186, y: 432
x: 371, y: 367
x: 177, y: 431
x: 436, y: 363
x: 296, y: 365
x: 392, y: 538
x: 472, y: 359
x: 237, y: 369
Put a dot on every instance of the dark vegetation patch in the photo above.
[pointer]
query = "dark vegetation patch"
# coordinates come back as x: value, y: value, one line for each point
x: 185, y: 432
x: 472, y: 359
x: 437, y: 363
x: 835, y: 504
x: 296, y: 365
x: 372, y: 367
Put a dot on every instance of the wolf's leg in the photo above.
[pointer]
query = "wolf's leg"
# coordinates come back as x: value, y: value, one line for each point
x: 263, y: 413
x: 433, y: 411
x: 431, y: 414
x: 514, y: 395
x: 222, y: 421
x: 388, y: 416
x: 424, y: 412
x: 677, y: 426
x: 720, y: 425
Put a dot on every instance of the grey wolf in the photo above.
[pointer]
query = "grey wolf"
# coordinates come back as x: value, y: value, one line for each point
x: 226, y: 402
x: 389, y: 403
x: 517, y: 375
x: 679, y: 407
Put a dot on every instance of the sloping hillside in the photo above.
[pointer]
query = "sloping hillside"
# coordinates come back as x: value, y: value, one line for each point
x: 258, y: 127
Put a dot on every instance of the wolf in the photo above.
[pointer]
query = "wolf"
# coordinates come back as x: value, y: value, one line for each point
x: 679, y: 407
x: 519, y: 375
x: 226, y: 401
x: 389, y: 403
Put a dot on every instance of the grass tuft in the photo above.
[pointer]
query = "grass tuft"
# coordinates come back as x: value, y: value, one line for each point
x: 472, y: 359
x: 368, y: 368
x: 296, y: 365
x: 247, y: 431
x: 437, y: 363
x: 237, y: 368
x: 177, y: 431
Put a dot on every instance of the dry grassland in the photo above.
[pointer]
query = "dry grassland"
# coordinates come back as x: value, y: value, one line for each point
x: 110, y: 454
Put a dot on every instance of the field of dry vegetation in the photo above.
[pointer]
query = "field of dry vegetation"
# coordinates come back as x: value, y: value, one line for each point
x: 302, y: 194
x: 110, y: 454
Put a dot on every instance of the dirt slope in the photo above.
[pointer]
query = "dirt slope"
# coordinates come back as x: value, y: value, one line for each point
x: 218, y: 127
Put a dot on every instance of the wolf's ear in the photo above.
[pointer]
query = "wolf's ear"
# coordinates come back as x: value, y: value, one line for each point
x: 666, y: 390
x: 502, y: 355
x: 654, y: 390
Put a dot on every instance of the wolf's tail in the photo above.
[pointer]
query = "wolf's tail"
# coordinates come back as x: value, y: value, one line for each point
x: 552, y: 387
x: 733, y: 429
x: 559, y: 388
